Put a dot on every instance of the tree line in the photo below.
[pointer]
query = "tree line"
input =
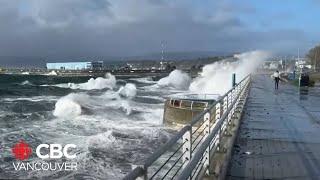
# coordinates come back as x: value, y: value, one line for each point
x: 314, y: 56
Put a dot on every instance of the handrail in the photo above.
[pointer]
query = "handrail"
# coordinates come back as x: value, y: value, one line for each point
x: 197, y: 156
x: 190, y: 154
x: 171, y: 142
x: 191, y: 95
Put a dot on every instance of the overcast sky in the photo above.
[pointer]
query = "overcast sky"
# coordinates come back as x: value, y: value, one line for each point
x: 76, y: 28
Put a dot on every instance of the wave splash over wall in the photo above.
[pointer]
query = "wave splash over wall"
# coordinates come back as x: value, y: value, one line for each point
x: 216, y: 78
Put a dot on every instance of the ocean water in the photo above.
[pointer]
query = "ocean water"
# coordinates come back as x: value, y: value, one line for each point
x: 115, y: 122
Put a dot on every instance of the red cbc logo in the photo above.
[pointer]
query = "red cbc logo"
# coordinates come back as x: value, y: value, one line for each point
x: 21, y: 150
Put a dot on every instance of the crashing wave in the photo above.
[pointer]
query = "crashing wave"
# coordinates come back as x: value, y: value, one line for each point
x: 26, y: 82
x: 70, y: 106
x: 177, y: 79
x: 73, y: 105
x: 129, y: 90
x: 109, y: 81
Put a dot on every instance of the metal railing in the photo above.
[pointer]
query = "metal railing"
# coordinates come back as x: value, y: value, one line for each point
x: 188, y: 153
x: 202, y: 96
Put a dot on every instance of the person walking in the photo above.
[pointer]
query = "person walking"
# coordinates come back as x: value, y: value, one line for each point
x: 276, y: 76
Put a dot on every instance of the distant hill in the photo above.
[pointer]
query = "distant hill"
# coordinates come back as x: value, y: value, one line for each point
x: 20, y: 62
x: 180, y: 55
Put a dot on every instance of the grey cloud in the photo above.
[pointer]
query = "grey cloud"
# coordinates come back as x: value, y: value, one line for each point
x: 102, y: 28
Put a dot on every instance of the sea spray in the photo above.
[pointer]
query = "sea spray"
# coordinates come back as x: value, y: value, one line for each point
x: 107, y: 82
x: 26, y: 82
x: 51, y: 73
x: 69, y: 106
x: 216, y: 78
x: 177, y: 79
x: 102, y: 140
x: 74, y: 104
x: 129, y: 90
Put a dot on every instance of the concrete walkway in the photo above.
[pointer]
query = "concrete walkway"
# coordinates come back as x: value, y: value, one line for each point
x: 279, y: 136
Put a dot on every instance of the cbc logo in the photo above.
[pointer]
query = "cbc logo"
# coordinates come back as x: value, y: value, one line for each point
x: 56, y: 151
x: 22, y: 151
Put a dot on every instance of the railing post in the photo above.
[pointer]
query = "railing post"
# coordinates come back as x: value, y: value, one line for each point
x: 237, y: 89
x: 218, y: 113
x: 225, y: 104
x: 233, y: 79
x: 206, y: 119
x: 187, y: 146
x: 229, y: 99
x: 217, y: 116
x: 224, y: 110
x: 230, y: 113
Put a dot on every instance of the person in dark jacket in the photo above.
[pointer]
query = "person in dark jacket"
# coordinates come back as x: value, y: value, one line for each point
x: 276, y: 76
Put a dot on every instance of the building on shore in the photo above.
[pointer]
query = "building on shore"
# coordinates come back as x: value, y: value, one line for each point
x: 89, y: 65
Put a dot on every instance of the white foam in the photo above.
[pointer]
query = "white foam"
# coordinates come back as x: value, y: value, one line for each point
x: 176, y: 79
x: 216, y: 77
x: 52, y: 73
x: 25, y: 73
x: 107, y: 82
x: 99, y: 83
x: 129, y: 90
x: 70, y: 106
x: 33, y: 98
x: 101, y: 140
x: 147, y: 80
x: 26, y: 82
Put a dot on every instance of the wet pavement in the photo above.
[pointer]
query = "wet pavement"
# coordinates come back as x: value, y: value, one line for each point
x: 279, y: 136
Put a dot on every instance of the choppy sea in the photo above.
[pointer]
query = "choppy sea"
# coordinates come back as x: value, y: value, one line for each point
x: 115, y: 122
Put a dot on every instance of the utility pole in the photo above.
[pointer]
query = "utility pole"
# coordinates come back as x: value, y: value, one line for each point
x: 285, y: 63
x: 299, y: 63
x: 298, y: 54
x: 162, y: 51
x: 315, y: 61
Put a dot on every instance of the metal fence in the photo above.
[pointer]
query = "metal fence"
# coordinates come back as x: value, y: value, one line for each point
x: 188, y: 153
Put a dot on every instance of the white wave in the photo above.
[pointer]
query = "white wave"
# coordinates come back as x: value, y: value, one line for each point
x: 26, y: 82
x: 69, y: 106
x: 25, y: 73
x: 107, y: 82
x: 52, y: 73
x: 115, y: 101
x: 147, y: 80
x: 154, y: 114
x: 129, y: 90
x: 216, y: 78
x: 101, y: 140
x: 33, y: 98
x: 72, y: 105
x: 176, y: 79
